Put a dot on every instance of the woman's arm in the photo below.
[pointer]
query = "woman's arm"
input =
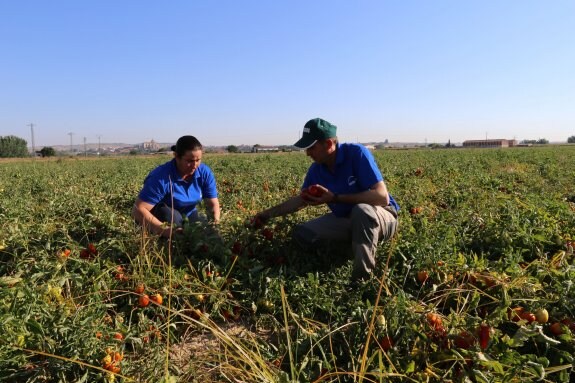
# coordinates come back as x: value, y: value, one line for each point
x: 142, y: 213
x: 213, y: 209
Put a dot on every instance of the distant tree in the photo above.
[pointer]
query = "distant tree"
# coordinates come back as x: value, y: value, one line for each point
x: 12, y: 146
x: 48, y: 151
x: 542, y: 141
x: 232, y: 149
x: 134, y: 152
x: 571, y: 140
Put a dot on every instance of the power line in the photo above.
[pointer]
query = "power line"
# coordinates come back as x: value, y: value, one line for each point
x: 99, y: 137
x: 32, y: 132
x: 71, y: 145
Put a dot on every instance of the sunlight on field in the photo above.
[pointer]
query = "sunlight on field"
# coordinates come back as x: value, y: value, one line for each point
x: 477, y: 286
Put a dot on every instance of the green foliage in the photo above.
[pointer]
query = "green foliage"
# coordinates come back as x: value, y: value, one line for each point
x: 232, y: 149
x: 12, y: 146
x: 48, y: 151
x: 495, y: 230
x: 571, y: 140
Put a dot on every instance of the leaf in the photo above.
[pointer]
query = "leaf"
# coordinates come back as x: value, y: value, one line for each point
x: 9, y: 281
x: 486, y: 361
x: 410, y: 367
x: 538, y: 368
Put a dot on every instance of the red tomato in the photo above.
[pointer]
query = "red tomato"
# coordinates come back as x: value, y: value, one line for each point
x: 464, y: 340
x: 386, y: 343
x: 314, y: 191
x: 528, y: 316
x: 556, y: 328
x: 268, y: 234
x: 434, y: 320
x: 118, y: 336
x: 144, y: 300
x: 484, y: 334
x: 92, y: 249
x: 422, y: 276
x: 139, y: 288
x: 157, y: 298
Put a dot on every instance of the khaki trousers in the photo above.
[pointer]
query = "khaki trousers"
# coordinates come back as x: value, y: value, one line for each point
x: 365, y: 227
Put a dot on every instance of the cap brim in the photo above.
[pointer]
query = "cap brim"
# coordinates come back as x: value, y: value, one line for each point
x: 304, y: 143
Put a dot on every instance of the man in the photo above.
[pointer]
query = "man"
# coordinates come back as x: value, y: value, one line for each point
x: 346, y: 178
x: 172, y: 191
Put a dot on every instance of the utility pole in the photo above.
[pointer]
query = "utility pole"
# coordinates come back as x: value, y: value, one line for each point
x: 71, y: 145
x: 33, y: 146
x: 99, y: 137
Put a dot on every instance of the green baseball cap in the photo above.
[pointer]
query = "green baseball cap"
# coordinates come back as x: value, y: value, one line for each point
x: 315, y: 130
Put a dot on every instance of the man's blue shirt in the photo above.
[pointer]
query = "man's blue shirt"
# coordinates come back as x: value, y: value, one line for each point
x: 355, y: 171
x: 165, y: 181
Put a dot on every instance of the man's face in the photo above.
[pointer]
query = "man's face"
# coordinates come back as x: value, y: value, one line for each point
x: 319, y: 151
x: 189, y: 162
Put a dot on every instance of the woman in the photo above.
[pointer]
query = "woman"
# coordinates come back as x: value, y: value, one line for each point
x: 173, y: 190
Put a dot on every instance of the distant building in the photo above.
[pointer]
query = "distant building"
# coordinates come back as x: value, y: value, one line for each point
x: 493, y: 143
x: 150, y: 145
x: 264, y: 149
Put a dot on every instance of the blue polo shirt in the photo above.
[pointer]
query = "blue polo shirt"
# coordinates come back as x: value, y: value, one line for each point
x: 164, y: 179
x: 355, y: 171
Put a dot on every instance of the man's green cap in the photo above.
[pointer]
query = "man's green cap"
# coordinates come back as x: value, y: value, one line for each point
x: 315, y: 130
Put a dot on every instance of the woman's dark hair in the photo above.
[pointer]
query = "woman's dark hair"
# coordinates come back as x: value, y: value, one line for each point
x: 186, y: 143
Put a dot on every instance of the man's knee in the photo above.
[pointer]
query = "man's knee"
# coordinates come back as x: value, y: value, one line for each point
x: 304, y: 236
x: 364, y: 216
x: 363, y: 213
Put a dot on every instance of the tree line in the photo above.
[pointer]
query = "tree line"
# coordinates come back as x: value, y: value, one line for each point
x: 12, y: 146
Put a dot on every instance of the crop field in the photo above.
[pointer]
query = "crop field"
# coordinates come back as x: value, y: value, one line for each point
x: 477, y: 286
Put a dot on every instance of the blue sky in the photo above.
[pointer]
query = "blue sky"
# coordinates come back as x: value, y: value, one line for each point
x: 247, y: 72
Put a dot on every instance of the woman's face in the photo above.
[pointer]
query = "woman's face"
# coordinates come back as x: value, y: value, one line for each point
x: 189, y: 162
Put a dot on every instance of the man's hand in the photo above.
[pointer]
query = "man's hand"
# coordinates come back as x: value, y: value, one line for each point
x: 258, y: 221
x: 317, y: 195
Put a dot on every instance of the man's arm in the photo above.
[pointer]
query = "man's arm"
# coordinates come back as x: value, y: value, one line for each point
x: 213, y: 209
x: 377, y: 195
x: 289, y: 206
